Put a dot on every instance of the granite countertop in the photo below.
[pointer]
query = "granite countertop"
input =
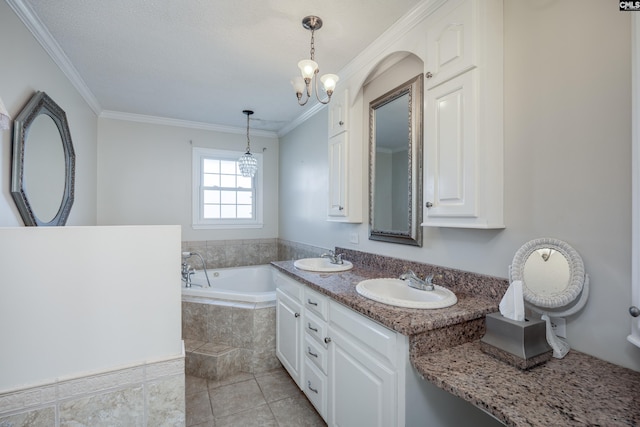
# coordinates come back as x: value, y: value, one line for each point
x: 577, y: 390
x: 444, y: 348
x: 341, y: 286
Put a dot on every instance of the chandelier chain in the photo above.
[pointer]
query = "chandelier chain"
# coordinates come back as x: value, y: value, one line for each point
x: 313, y: 46
x: 248, y: 143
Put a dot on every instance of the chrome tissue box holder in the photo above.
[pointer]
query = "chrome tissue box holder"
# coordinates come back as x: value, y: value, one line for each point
x: 522, y: 344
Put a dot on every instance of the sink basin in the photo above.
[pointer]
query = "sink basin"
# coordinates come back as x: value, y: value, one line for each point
x: 398, y: 293
x: 321, y: 265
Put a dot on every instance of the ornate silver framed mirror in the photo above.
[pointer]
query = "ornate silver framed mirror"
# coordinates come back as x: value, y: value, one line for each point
x: 554, y: 283
x: 43, y: 164
x: 395, y: 164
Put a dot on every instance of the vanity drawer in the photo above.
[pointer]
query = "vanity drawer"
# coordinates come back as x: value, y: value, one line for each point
x: 315, y: 327
x: 315, y: 387
x: 315, y: 353
x: 288, y: 286
x: 316, y: 303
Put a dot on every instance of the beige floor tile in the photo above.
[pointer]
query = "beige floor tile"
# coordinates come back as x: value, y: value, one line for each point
x: 198, y: 408
x: 193, y: 385
x: 234, y: 398
x: 278, y: 385
x: 296, y: 412
x: 233, y: 379
x: 257, y: 417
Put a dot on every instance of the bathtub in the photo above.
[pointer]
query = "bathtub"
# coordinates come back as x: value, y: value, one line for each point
x: 252, y: 284
x: 231, y: 326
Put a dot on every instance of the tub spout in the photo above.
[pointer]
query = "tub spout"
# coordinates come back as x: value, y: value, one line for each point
x: 204, y: 267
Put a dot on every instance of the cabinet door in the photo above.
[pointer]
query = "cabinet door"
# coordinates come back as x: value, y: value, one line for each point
x: 362, y: 391
x: 289, y: 335
x: 451, y: 43
x: 338, y: 157
x: 338, y: 108
x: 451, y: 152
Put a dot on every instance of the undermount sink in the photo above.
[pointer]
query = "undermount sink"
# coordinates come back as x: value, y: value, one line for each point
x: 322, y: 265
x: 398, y: 293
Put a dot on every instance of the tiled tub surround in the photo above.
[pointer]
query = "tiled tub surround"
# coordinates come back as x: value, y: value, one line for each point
x: 150, y: 394
x: 225, y: 337
x: 232, y: 253
x: 238, y: 253
x: 444, y: 349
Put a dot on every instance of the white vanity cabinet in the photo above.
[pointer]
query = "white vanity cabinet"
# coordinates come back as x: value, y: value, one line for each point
x: 463, y: 151
x: 289, y: 325
x: 363, y: 371
x: 345, y: 164
x: 351, y: 367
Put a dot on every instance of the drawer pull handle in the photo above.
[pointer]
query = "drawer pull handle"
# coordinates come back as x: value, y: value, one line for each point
x: 297, y: 315
x: 311, y: 353
x: 311, y: 302
x: 312, y: 328
x: 315, y: 390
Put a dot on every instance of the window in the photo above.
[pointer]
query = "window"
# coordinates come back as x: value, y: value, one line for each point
x: 222, y: 197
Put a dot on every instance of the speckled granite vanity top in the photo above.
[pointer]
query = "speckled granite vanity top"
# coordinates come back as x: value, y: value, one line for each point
x: 342, y: 288
x: 444, y: 348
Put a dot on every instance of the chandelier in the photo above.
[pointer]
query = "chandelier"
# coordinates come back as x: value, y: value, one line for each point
x: 247, y: 162
x: 309, y: 69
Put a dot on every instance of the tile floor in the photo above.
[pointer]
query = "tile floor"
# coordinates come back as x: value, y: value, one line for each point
x: 248, y: 400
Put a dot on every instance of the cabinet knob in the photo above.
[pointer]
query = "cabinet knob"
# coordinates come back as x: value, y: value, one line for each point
x: 634, y: 311
x: 341, y: 123
x: 429, y: 205
x: 297, y: 315
x: 327, y: 340
x: 428, y: 74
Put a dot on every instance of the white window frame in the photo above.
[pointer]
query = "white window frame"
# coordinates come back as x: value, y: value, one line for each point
x: 198, y: 222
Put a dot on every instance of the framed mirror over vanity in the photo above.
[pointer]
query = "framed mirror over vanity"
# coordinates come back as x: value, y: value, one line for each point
x: 395, y: 164
x: 43, y: 164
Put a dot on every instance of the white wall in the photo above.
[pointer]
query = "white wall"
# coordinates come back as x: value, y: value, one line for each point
x: 24, y: 69
x: 101, y: 298
x: 567, y: 85
x: 144, y: 176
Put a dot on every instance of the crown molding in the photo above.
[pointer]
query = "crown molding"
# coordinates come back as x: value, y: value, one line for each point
x: 46, y: 40
x: 141, y: 118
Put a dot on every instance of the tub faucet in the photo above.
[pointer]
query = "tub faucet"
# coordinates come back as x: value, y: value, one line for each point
x: 415, y: 282
x: 333, y: 258
x: 187, y: 272
x: 186, y: 255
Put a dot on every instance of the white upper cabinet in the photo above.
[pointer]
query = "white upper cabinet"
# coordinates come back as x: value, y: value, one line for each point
x: 338, y: 110
x: 450, y: 43
x: 345, y: 164
x: 463, y: 147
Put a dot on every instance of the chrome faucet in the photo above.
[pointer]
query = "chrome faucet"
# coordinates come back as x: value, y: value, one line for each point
x: 187, y: 271
x: 333, y: 258
x: 415, y: 282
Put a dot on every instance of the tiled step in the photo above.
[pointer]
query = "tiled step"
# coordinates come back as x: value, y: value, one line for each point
x: 211, y: 360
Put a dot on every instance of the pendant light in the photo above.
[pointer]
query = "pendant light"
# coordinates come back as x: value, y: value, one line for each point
x: 247, y: 163
x: 309, y: 69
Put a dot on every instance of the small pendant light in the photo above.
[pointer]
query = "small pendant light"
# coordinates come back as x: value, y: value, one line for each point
x: 247, y: 163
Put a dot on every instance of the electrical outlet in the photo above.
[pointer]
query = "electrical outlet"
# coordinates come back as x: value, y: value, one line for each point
x: 559, y: 326
x: 353, y: 238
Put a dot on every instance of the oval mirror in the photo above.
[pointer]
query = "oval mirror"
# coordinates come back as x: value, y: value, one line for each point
x: 554, y: 283
x: 551, y: 271
x: 42, y: 176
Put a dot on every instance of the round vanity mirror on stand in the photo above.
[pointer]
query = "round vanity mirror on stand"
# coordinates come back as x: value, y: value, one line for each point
x: 554, y: 283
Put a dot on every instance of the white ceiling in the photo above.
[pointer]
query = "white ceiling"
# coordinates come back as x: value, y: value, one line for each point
x: 205, y: 61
